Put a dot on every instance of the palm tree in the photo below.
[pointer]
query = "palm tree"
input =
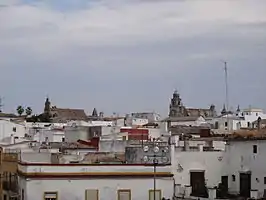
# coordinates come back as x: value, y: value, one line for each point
x: 28, y: 111
x: 20, y: 110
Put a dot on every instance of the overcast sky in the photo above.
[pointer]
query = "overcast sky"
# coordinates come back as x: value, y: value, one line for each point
x: 130, y: 55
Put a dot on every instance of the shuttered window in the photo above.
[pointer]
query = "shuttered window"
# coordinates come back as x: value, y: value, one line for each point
x: 124, y: 194
x: 91, y: 194
x: 50, y: 196
x: 158, y: 195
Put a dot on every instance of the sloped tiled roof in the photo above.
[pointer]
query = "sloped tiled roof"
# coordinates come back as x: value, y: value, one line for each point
x: 65, y: 114
x: 181, y: 119
x: 8, y: 115
x: 248, y: 135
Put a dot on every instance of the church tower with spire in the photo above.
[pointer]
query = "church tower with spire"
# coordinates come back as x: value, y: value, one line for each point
x: 176, y: 108
x: 47, y: 107
x: 224, y: 111
x: 94, y: 113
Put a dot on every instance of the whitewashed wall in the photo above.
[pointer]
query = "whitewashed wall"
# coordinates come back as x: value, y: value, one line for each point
x: 75, y: 189
x: 52, y: 135
x: 250, y: 116
x: 240, y: 158
x: 154, y: 132
x: 200, y: 121
x: 72, y: 134
x: 6, y: 129
x: 218, y: 145
x: 210, y: 162
x: 233, y: 123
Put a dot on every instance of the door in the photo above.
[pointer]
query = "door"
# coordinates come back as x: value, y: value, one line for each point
x: 245, y: 184
x: 224, y: 186
x: 197, y: 182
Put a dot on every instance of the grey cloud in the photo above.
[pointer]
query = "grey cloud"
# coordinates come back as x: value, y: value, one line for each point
x: 102, y: 64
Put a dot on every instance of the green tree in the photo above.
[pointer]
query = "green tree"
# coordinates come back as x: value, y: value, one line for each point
x: 20, y: 110
x: 28, y: 111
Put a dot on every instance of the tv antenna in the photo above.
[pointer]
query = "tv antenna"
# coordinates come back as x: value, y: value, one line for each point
x: 226, y: 91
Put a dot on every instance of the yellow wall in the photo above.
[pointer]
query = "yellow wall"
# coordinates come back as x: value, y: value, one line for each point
x: 9, y: 164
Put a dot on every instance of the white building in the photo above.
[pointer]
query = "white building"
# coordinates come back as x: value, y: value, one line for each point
x: 197, y: 161
x: 132, y: 121
x: 188, y: 121
x: 150, y: 116
x: 91, y: 123
x: 9, y: 128
x: 244, y: 166
x: 250, y: 115
x: 52, y: 135
x: 228, y: 122
x: 40, y: 181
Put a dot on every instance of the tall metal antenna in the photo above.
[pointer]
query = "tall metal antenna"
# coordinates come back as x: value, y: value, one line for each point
x: 226, y: 92
x: 226, y: 86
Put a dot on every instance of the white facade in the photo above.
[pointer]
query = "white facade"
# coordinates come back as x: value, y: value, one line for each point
x: 53, y: 135
x: 155, y: 133
x: 227, y: 122
x: 250, y: 116
x: 34, y: 188
x: 198, y: 122
x: 139, y: 121
x: 241, y: 157
x: 8, y: 129
x: 73, y: 134
x: 133, y: 121
x: 187, y: 161
x: 150, y: 116
x: 44, y: 124
x: 91, y: 123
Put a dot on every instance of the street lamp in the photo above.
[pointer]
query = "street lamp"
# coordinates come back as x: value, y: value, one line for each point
x: 155, y: 162
x: 155, y: 154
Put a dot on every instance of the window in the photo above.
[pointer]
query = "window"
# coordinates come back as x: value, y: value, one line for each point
x: 124, y: 138
x: 264, y: 180
x: 248, y: 124
x: 216, y: 125
x: 124, y: 195
x: 255, y: 149
x: 225, y: 124
x: 14, y: 129
x: 233, y: 178
x: 63, y: 139
x: 50, y: 196
x: 91, y: 194
x: 158, y: 195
